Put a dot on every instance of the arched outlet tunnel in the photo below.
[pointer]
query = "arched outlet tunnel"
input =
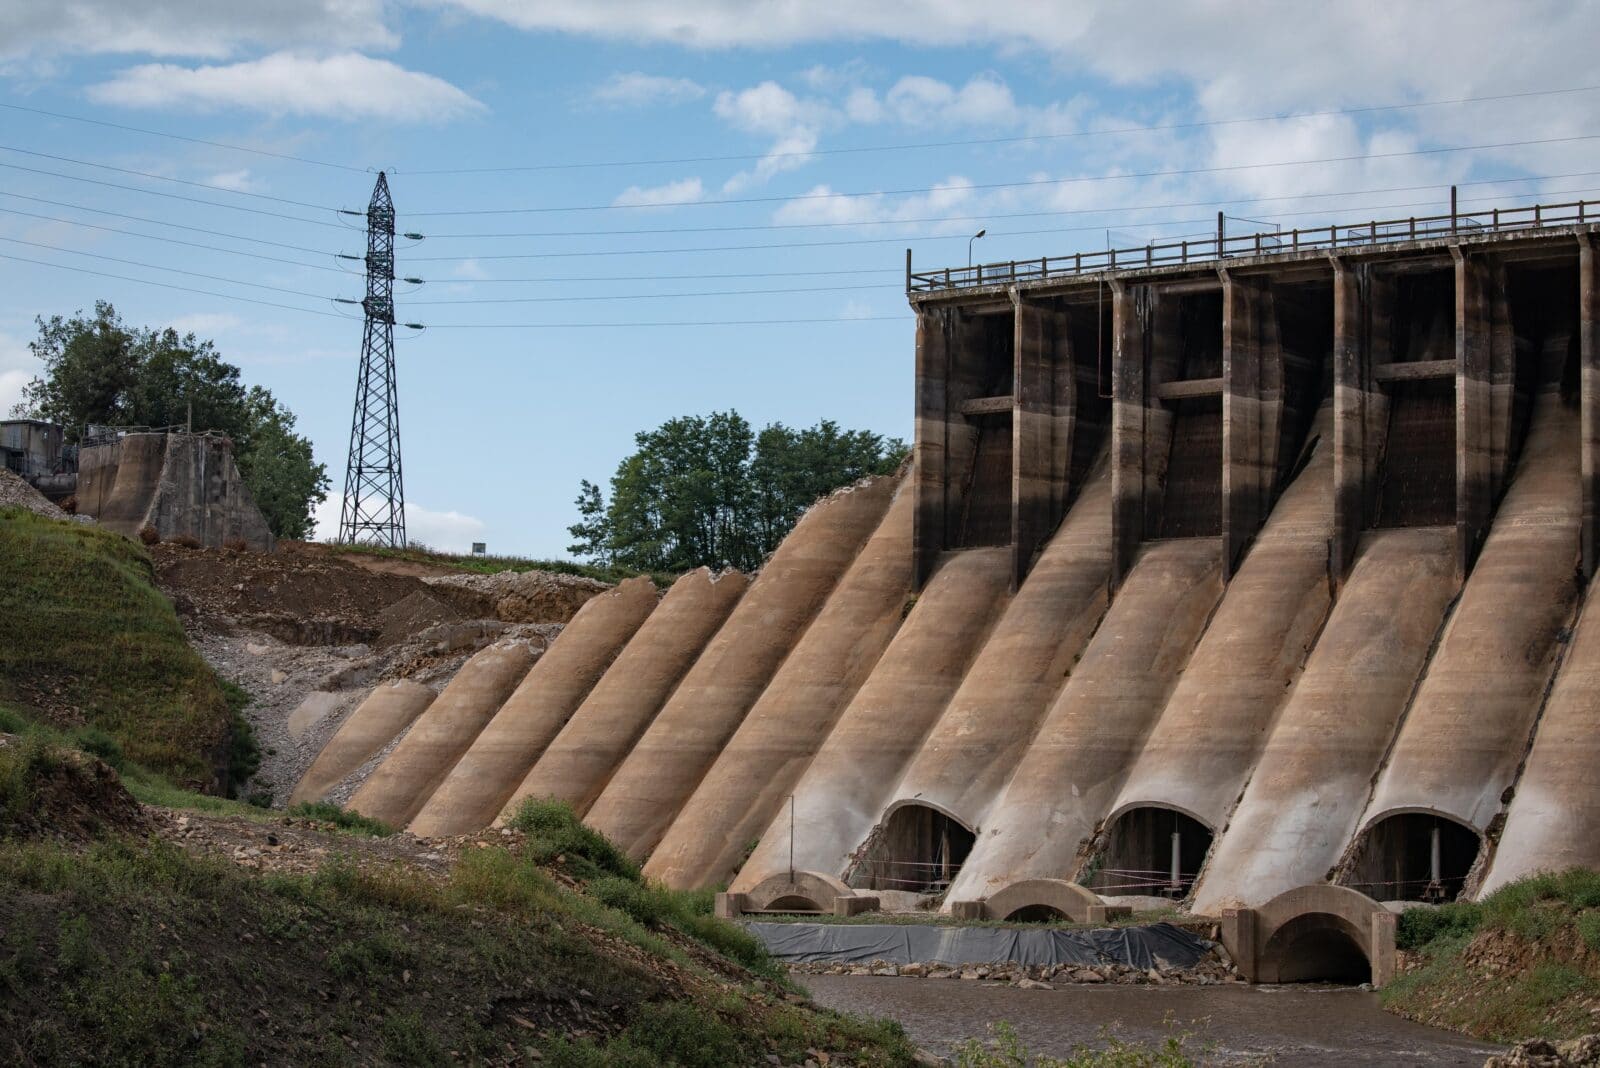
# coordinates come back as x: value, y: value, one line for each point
x: 918, y: 849
x: 1412, y: 856
x: 1318, y: 947
x: 1149, y: 850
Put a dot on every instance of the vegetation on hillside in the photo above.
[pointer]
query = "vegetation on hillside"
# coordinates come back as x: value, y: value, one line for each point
x: 709, y: 491
x: 1522, y: 963
x: 100, y: 370
x: 88, y: 644
x: 136, y: 951
x: 418, y: 553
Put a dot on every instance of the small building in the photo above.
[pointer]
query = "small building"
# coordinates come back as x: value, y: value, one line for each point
x: 31, y: 447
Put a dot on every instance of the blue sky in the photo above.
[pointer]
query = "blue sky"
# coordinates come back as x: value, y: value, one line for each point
x: 819, y: 101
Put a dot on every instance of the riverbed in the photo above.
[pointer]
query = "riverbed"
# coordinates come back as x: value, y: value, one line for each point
x: 1289, y: 1025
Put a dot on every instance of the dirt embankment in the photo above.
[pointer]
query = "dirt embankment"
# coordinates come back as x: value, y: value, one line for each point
x: 308, y: 630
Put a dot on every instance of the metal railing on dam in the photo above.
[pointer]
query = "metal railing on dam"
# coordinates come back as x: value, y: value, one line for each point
x: 1334, y: 237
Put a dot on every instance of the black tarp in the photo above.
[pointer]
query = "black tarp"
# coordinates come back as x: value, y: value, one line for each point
x: 848, y: 943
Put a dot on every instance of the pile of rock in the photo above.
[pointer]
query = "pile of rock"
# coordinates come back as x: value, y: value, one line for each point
x: 1538, y: 1053
x: 1213, y: 969
x: 518, y: 596
x: 15, y: 493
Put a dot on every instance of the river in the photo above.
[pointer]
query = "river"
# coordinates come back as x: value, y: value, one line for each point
x: 1289, y: 1025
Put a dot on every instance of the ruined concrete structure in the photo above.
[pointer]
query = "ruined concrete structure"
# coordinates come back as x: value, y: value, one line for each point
x: 178, y: 484
x: 1250, y: 573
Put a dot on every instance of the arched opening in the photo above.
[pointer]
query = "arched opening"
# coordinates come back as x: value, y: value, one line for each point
x: 1037, y: 914
x: 1413, y: 856
x: 793, y: 904
x: 918, y: 849
x: 1150, y: 851
x: 1315, y: 948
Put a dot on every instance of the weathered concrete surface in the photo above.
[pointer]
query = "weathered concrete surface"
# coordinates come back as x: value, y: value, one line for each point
x: 413, y: 770
x: 389, y: 709
x: 1313, y: 778
x: 1069, y: 776
x: 478, y: 788
x: 579, y: 761
x: 180, y: 485
x: 644, y: 796
x: 977, y: 743
x: 1554, y: 821
x: 844, y: 789
x: 1280, y: 941
x: 767, y: 754
x: 1468, y: 728
x: 1199, y: 754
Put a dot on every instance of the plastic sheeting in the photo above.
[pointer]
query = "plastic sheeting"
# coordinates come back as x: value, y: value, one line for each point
x: 1140, y: 947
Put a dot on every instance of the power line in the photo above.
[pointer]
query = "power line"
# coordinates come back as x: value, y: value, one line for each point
x: 457, y: 326
x: 658, y: 296
x: 158, y: 267
x: 1111, y: 132
x: 173, y: 196
x: 175, y: 241
x: 194, y: 140
x: 170, y: 285
x: 848, y: 150
x: 1225, y: 168
x: 164, y: 222
x: 898, y: 240
x: 1004, y: 215
x: 165, y: 178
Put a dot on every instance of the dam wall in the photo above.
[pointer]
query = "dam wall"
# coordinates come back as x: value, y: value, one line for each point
x: 1236, y: 573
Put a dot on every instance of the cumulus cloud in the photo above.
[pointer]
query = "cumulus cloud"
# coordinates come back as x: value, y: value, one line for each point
x: 771, y: 110
x: 344, y: 86
x: 683, y: 191
x: 202, y: 29
x: 238, y: 181
x: 448, y: 531
x: 637, y: 89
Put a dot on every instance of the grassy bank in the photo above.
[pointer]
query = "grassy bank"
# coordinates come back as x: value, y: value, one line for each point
x: 488, y: 565
x: 88, y: 644
x: 132, y: 950
x: 1522, y: 963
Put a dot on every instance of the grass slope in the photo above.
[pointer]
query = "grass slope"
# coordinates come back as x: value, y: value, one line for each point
x: 1522, y: 963
x: 488, y: 565
x: 137, y: 952
x: 87, y: 641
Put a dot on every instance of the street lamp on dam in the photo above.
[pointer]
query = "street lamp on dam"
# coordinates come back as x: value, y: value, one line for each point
x: 970, y: 240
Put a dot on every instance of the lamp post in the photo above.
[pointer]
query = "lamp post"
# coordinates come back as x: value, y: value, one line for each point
x: 970, y: 240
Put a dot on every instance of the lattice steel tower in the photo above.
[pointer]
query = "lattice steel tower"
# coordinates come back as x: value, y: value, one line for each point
x: 374, y: 511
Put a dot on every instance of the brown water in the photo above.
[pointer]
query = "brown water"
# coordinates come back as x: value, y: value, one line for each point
x: 1288, y: 1025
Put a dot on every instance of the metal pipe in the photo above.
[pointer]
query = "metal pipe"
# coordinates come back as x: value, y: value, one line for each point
x: 1177, y: 852
x: 1433, y: 855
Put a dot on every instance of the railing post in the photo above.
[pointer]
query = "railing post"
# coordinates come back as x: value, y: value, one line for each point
x: 1496, y: 217
x: 947, y: 278
x: 1452, y: 209
x: 1374, y: 237
x: 1413, y: 227
x: 908, y: 270
x: 1113, y: 259
x: 1295, y: 237
x: 1044, y: 267
x: 1538, y: 218
x: 1186, y: 249
x: 1077, y: 263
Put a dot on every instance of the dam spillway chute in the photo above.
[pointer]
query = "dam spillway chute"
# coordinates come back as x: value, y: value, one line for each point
x: 1149, y: 851
x: 1413, y: 856
x: 918, y: 849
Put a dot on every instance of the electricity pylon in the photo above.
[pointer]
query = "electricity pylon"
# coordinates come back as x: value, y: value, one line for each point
x: 374, y: 511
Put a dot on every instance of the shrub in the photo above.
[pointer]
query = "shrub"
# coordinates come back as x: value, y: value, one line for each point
x: 1418, y: 927
x: 644, y: 903
x: 554, y: 831
x: 187, y: 541
x: 328, y: 812
x: 95, y: 741
x: 149, y: 535
x: 70, y: 505
x: 235, y: 544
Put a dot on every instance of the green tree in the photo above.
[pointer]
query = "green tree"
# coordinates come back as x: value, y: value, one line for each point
x: 709, y: 491
x: 99, y: 370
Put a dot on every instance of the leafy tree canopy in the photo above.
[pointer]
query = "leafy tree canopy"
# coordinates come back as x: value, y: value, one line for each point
x: 711, y: 491
x: 99, y: 370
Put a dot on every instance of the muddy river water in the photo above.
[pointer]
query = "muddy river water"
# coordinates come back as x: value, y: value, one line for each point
x: 1287, y: 1025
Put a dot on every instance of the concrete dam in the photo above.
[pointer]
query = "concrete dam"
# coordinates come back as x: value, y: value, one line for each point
x: 1247, y: 573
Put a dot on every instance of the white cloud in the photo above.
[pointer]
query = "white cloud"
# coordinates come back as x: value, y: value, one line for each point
x: 452, y: 532
x: 637, y: 89
x: 448, y: 531
x: 774, y: 111
x: 921, y: 101
x: 17, y: 368
x: 345, y: 86
x: 953, y: 196
x: 683, y: 191
x: 238, y: 181
x: 470, y: 269
x: 204, y: 29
